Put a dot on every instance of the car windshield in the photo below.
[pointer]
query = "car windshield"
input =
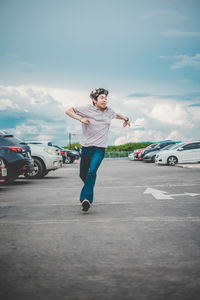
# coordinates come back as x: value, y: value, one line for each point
x: 177, y: 146
x: 152, y: 146
x: 57, y: 147
x: 168, y: 147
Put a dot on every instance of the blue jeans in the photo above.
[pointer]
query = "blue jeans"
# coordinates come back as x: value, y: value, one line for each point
x: 91, y: 158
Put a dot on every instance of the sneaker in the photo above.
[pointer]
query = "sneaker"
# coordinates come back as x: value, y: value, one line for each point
x: 85, y: 205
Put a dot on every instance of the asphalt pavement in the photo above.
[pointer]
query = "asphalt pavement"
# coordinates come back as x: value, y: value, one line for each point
x: 140, y: 239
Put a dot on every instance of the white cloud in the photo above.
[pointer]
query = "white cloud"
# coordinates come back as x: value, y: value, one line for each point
x: 179, y: 33
x: 187, y: 61
x: 6, y: 103
x: 166, y: 111
x: 184, y: 60
x: 168, y: 14
x: 20, y: 129
x: 39, y: 113
x: 171, y: 113
x: 66, y: 98
x: 195, y: 113
x: 175, y: 136
x: 140, y: 136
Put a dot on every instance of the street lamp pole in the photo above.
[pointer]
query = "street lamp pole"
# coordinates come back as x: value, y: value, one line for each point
x: 70, y: 140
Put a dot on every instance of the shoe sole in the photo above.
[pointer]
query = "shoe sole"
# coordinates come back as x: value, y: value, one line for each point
x: 85, y: 205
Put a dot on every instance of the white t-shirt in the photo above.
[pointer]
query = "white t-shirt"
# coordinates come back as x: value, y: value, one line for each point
x: 96, y: 132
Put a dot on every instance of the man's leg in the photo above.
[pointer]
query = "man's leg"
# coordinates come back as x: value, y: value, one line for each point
x: 96, y: 159
x: 85, y: 162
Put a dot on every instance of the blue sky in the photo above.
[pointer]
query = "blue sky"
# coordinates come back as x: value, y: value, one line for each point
x: 146, y: 53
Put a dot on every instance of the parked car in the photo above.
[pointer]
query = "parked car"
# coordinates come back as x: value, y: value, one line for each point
x: 134, y: 155
x: 188, y: 152
x: 45, y: 143
x: 156, y: 146
x: 151, y: 156
x: 45, y: 158
x: 16, y: 155
x: 71, y: 156
x: 137, y: 152
x: 3, y: 171
x: 62, y: 151
x: 143, y: 152
x: 131, y: 156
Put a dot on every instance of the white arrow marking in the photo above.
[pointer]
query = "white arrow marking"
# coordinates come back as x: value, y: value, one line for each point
x: 158, y: 194
x: 185, y: 194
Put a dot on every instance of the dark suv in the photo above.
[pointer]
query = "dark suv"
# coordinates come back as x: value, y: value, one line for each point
x: 69, y: 156
x: 16, y: 155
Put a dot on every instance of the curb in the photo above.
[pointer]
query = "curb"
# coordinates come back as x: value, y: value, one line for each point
x: 191, y: 166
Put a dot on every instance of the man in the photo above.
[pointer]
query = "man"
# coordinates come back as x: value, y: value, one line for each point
x: 95, y: 121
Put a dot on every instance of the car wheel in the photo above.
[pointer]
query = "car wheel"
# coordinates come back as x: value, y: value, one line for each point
x: 153, y: 159
x: 68, y: 160
x: 172, y: 160
x: 39, y: 170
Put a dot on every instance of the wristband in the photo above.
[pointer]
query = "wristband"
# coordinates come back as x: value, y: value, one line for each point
x: 127, y: 119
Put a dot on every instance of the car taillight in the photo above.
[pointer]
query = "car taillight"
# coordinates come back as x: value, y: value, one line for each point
x: 62, y: 152
x: 17, y: 149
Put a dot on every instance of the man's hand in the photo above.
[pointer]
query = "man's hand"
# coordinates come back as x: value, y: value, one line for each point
x: 126, y: 123
x: 126, y: 120
x: 84, y: 121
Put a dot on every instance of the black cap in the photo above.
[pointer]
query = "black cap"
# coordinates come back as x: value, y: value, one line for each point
x: 96, y: 92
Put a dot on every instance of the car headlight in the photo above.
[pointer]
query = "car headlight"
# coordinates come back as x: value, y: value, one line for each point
x: 50, y: 151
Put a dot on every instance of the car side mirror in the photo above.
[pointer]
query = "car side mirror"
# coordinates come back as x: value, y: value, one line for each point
x: 180, y: 149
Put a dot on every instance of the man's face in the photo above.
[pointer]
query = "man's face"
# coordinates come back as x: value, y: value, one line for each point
x: 101, y: 101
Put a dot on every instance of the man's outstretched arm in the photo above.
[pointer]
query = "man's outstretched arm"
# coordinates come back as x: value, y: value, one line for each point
x: 72, y: 114
x: 126, y: 120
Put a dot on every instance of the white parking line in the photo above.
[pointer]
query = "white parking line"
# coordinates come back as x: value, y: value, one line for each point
x: 117, y: 186
x: 110, y: 220
x: 15, y: 205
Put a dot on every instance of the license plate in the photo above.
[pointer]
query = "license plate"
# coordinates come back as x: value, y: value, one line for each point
x: 4, y: 172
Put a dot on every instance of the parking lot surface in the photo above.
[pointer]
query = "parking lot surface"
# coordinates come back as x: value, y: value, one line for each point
x: 140, y: 239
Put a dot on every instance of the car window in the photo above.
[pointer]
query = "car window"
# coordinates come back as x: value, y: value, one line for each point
x: 34, y: 143
x: 151, y: 146
x: 10, y: 140
x: 163, y: 145
x: 160, y: 146
x: 168, y: 147
x: 176, y: 146
x: 192, y: 146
